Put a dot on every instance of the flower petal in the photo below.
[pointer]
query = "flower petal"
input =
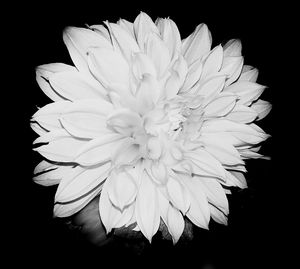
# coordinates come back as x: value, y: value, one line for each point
x: 198, y: 212
x: 213, y: 62
x: 262, y: 108
x: 143, y: 26
x: 249, y: 73
x: 211, y: 87
x: 43, y: 72
x: 197, y: 44
x: 221, y: 105
x: 223, y: 151
x: 61, y: 150
x: 232, y: 67
x: 98, y: 150
x: 217, y: 215
x: 78, y: 42
x: 242, y: 114
x: 76, y: 85
x: 122, y: 189
x: 158, y: 53
x: 109, y: 67
x: 178, y: 194
x: 215, y: 193
x: 236, y: 178
x: 205, y: 164
x: 123, y: 40
x: 170, y: 35
x: 80, y: 182
x: 175, y: 223
x: 233, y: 48
x: 142, y: 64
x: 193, y: 75
x: 52, y: 175
x: 110, y: 215
x: 147, y: 207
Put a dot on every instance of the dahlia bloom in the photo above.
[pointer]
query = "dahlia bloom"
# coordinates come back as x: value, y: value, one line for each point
x: 159, y: 125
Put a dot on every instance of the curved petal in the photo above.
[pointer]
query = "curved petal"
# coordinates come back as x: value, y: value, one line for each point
x: 242, y: 114
x: 123, y: 40
x: 110, y: 215
x: 217, y: 215
x: 178, y: 194
x: 262, y: 108
x: 43, y: 72
x: 147, y: 207
x: 61, y: 150
x: 213, y: 62
x: 158, y: 53
x: 215, y: 193
x: 198, y: 212
x: 143, y: 26
x: 221, y: 105
x: 122, y: 189
x: 223, y: 151
x: 80, y: 182
x: 98, y: 150
x: 52, y: 175
x: 78, y: 42
x: 109, y: 67
x: 197, y: 44
x: 76, y: 85
x: 170, y: 35
x: 233, y: 48
x: 175, y: 223
x: 249, y: 73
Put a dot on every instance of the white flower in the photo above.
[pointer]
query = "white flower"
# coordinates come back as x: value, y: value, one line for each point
x: 159, y: 125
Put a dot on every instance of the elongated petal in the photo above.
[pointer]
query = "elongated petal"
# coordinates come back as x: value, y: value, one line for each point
x: 143, y: 26
x: 205, y: 164
x: 123, y: 40
x: 170, y: 35
x: 232, y: 67
x: 158, y: 53
x: 147, y: 208
x: 37, y: 128
x: 127, y: 153
x: 78, y: 42
x: 193, y: 75
x: 197, y: 44
x: 159, y: 172
x: 108, y: 67
x: 122, y: 189
x: 63, y: 210
x: 215, y: 193
x: 223, y: 151
x: 53, y: 175
x: 217, y: 215
x: 212, y: 86
x: 61, y: 150
x: 247, y: 91
x: 221, y: 105
x: 249, y: 73
x: 179, y: 196
x: 76, y: 85
x: 127, y: 26
x: 242, y: 114
x: 43, y: 72
x: 233, y: 48
x: 109, y: 214
x: 262, y: 108
x: 98, y: 150
x: 213, y: 63
x: 80, y: 182
x: 198, y: 212
x: 236, y: 178
x: 175, y: 223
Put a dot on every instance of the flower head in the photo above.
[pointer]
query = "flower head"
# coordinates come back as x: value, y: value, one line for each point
x: 159, y: 125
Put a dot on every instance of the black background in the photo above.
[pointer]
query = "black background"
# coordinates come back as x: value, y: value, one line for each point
x: 257, y: 214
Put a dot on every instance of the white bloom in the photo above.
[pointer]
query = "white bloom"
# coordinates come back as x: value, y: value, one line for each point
x: 157, y: 124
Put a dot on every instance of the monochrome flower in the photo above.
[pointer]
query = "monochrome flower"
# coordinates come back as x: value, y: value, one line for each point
x: 159, y: 125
